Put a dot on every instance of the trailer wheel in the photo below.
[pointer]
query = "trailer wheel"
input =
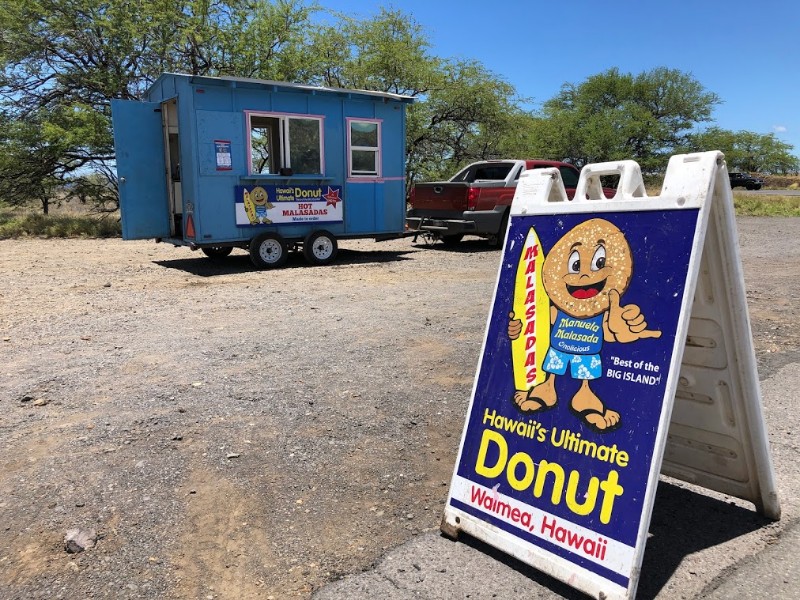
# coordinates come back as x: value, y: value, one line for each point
x: 268, y: 250
x: 320, y: 248
x: 217, y: 251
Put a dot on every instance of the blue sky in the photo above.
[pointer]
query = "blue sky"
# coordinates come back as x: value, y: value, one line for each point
x: 748, y: 53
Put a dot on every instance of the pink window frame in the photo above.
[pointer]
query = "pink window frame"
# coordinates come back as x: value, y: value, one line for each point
x: 379, y: 153
x: 266, y: 113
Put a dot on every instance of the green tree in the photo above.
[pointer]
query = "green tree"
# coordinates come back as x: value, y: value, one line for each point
x: 388, y: 52
x: 463, y: 111
x: 465, y: 115
x: 613, y: 115
x: 64, y: 60
x: 28, y: 163
x: 747, y: 151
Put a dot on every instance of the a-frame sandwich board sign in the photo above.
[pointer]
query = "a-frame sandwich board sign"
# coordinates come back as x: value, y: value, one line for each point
x: 617, y: 341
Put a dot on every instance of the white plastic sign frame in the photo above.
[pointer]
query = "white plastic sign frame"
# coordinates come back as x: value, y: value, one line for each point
x: 584, y: 389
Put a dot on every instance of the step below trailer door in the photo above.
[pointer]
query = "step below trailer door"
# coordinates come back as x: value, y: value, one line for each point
x: 141, y: 164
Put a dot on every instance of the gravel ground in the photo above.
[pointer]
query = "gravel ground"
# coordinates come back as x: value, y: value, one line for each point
x: 234, y: 433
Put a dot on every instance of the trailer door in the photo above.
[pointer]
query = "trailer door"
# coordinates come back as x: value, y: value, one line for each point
x: 141, y: 169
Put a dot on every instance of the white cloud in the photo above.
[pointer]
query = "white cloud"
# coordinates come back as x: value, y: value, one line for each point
x: 779, y: 128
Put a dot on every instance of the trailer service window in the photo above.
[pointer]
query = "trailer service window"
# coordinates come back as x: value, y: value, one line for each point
x: 285, y: 142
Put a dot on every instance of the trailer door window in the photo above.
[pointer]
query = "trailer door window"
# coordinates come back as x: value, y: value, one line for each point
x: 281, y: 144
x: 364, y: 141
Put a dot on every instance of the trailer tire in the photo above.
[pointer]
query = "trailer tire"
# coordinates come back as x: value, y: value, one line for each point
x: 320, y: 247
x: 268, y: 250
x: 217, y: 251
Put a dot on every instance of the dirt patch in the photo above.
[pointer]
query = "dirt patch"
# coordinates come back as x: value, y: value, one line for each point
x: 234, y: 433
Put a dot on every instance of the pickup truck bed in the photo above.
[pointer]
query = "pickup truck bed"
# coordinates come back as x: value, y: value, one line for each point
x: 476, y: 201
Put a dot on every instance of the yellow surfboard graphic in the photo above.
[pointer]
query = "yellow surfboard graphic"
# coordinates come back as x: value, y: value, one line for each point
x: 532, y: 306
x: 249, y: 207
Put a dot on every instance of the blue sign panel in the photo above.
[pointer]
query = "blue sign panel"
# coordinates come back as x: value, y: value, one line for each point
x: 561, y: 434
x: 288, y: 204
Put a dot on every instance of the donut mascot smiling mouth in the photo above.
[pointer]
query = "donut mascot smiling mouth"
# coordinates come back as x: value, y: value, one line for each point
x: 584, y: 275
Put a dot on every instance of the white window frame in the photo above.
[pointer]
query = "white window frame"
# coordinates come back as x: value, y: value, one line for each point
x: 376, y: 149
x: 285, y: 142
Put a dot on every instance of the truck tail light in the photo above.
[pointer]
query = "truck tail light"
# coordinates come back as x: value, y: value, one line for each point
x: 472, y: 197
x: 411, y: 196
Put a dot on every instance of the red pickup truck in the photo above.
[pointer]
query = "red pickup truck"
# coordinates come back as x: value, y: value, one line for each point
x: 476, y: 201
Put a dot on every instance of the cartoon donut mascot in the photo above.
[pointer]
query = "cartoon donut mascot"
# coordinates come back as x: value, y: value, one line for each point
x: 584, y: 275
x: 256, y: 204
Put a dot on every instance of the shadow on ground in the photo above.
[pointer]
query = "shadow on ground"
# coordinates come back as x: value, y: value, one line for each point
x: 469, y: 246
x: 202, y: 266
x: 683, y: 522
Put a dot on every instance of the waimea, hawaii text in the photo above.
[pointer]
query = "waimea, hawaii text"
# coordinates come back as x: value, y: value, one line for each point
x: 593, y: 547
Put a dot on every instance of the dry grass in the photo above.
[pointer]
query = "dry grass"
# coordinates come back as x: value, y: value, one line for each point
x: 65, y: 220
x: 781, y: 182
x: 753, y: 205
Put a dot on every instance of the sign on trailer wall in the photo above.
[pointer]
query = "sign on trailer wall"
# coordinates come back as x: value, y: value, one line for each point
x: 283, y: 204
x: 566, y: 427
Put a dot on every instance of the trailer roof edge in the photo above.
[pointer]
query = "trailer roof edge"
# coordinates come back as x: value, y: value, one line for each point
x: 249, y: 82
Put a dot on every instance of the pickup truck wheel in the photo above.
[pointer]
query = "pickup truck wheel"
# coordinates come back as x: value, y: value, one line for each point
x: 217, y: 251
x: 320, y: 248
x: 496, y: 241
x: 452, y: 240
x: 268, y: 251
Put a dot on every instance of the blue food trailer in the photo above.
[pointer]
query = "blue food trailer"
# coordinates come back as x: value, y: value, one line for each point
x: 216, y: 163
